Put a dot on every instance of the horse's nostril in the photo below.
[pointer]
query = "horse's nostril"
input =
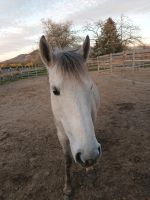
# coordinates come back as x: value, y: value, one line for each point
x: 99, y: 149
x: 78, y: 158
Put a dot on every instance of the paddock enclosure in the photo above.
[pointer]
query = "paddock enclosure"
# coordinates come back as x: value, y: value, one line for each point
x: 31, y: 159
x: 135, y: 59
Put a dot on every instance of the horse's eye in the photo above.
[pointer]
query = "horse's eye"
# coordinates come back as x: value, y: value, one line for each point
x: 56, y: 91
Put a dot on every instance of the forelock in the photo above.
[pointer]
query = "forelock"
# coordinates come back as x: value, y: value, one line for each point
x: 69, y: 62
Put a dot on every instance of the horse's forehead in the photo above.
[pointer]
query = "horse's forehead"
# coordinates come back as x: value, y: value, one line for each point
x: 67, y: 81
x: 54, y: 76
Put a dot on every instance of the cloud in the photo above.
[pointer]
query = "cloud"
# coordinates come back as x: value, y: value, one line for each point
x: 18, y: 12
x: 17, y: 39
x: 111, y: 8
x: 20, y: 20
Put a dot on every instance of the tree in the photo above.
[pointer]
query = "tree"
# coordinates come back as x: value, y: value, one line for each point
x: 109, y: 41
x: 59, y: 34
x: 95, y: 28
x: 129, y: 33
x: 116, y: 35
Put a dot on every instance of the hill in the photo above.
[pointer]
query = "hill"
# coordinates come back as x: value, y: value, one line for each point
x: 25, y: 58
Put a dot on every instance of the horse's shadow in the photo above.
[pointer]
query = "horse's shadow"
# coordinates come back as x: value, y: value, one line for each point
x: 81, y: 179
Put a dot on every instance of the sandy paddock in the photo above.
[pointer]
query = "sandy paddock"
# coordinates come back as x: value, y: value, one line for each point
x: 31, y: 159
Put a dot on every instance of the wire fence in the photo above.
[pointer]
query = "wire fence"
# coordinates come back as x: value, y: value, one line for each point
x: 12, y: 74
x: 127, y: 60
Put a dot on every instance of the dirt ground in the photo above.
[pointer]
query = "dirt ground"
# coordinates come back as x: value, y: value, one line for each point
x: 31, y: 159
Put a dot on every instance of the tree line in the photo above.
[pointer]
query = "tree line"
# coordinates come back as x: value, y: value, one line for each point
x: 17, y: 65
x: 109, y: 36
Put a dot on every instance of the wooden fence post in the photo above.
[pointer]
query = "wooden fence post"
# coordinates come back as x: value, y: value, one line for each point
x: 124, y: 58
x: 111, y: 63
x: 98, y: 63
x: 36, y: 69
x: 11, y: 72
x: 21, y: 72
x: 133, y: 58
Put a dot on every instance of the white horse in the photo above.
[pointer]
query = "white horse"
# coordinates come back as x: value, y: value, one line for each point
x: 75, y: 101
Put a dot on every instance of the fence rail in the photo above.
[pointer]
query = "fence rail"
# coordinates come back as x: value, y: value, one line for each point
x: 134, y: 59
x: 13, y: 75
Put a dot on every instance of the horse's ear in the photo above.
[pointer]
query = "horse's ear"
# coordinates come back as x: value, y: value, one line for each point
x: 85, y: 49
x: 45, y: 51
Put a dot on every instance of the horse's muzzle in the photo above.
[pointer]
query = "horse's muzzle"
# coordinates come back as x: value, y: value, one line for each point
x: 88, y: 162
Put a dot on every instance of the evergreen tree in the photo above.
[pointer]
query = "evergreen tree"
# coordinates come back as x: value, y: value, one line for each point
x: 109, y: 40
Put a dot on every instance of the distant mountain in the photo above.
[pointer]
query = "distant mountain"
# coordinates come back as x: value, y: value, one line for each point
x: 25, y: 58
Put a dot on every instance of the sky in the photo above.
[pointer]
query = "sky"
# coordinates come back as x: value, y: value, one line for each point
x: 21, y: 27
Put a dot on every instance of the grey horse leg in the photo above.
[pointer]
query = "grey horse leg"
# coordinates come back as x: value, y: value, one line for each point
x: 67, y: 188
x: 68, y: 160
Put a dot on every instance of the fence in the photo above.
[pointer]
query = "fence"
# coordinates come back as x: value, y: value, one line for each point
x: 13, y: 74
x: 135, y: 59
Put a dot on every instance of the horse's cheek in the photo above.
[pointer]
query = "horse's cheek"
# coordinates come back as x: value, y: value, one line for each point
x: 56, y: 108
